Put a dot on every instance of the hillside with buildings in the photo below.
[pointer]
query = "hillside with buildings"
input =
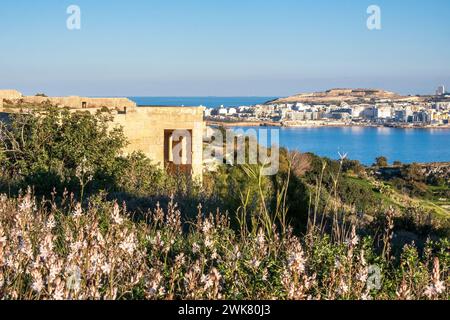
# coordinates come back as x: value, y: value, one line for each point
x: 337, y: 107
x: 345, y: 95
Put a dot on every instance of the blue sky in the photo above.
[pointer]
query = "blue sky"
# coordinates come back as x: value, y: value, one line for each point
x: 222, y: 47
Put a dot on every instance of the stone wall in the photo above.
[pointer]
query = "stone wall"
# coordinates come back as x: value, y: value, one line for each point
x: 10, y: 95
x: 144, y: 128
x: 81, y: 102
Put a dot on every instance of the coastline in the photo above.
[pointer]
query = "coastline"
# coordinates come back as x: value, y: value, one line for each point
x: 318, y: 124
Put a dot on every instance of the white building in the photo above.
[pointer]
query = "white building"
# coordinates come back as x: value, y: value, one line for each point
x: 223, y: 111
x: 402, y: 115
x: 232, y: 111
x: 383, y: 112
x: 207, y: 112
x: 357, y: 111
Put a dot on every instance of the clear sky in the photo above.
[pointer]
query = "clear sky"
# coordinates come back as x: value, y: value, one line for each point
x: 222, y: 47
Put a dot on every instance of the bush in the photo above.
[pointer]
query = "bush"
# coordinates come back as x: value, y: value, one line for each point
x: 53, y: 148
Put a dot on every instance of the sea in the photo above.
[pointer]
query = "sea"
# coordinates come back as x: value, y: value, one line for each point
x: 210, y: 102
x: 367, y: 143
x: 359, y: 143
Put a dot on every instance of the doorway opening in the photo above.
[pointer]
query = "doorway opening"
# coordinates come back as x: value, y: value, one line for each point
x: 178, y: 151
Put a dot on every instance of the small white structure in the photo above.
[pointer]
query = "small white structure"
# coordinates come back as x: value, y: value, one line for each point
x: 232, y: 111
x: 208, y: 112
x: 383, y: 112
x: 440, y: 91
x: 223, y: 111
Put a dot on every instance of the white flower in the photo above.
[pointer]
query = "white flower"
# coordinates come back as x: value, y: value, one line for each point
x: 106, y: 268
x: 58, y: 294
x: 116, y: 215
x: 265, y: 274
x: 206, y: 226
x: 195, y: 247
x: 51, y: 223
x: 129, y: 244
x: 439, y: 286
x: 78, y: 211
x: 296, y: 260
x: 208, y: 242
x: 255, y: 263
x: 26, y: 204
x: 435, y: 289
x: 38, y: 283
x: 214, y: 255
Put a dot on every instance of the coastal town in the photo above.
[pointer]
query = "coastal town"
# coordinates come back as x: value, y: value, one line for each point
x: 342, y: 107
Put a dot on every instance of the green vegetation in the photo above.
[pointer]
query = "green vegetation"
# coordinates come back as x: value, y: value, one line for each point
x: 314, y: 230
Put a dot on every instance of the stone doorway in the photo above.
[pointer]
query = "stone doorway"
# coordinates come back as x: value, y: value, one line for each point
x: 178, y: 151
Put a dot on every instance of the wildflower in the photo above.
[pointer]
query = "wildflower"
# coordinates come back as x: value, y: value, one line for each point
x: 207, y: 226
x: 154, y: 284
x: 195, y: 247
x: 261, y: 241
x: 354, y: 239
x: 214, y: 255
x: 403, y: 293
x: 76, y: 246
x: 366, y: 295
x: 116, y: 215
x: 343, y: 288
x: 437, y: 286
x: 51, y: 223
x: 337, y: 264
x: 74, y: 280
x: 212, y: 283
x: 46, y: 247
x: 26, y: 204
x: 129, y: 244
x: 265, y: 274
x: 55, y: 269
x: 58, y: 294
x: 157, y: 241
x: 207, y: 281
x: 106, y: 268
x: 237, y: 252
x: 363, y: 275
x: 2, y: 238
x: 208, y: 242
x: 38, y: 283
x: 255, y: 263
x: 296, y: 260
x: 78, y: 211
x: 180, y: 259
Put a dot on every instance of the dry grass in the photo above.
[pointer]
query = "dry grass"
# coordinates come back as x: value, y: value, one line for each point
x: 66, y: 252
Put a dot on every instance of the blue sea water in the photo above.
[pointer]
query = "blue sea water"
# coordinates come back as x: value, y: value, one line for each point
x: 211, y: 102
x: 365, y: 144
x: 360, y: 143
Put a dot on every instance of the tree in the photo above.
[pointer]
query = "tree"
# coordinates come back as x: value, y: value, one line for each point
x: 51, y: 148
x: 381, y: 162
x: 413, y: 172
